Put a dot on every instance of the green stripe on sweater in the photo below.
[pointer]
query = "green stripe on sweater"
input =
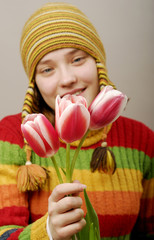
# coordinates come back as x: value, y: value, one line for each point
x: 26, y: 234
x: 10, y: 226
x: 125, y: 158
x: 11, y: 154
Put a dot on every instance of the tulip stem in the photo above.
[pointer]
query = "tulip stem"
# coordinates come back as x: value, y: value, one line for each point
x: 57, y: 169
x: 76, y: 154
x: 68, y: 163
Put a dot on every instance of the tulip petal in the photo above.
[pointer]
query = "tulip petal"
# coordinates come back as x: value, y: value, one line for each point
x: 50, y: 136
x: 76, y: 99
x: 108, y: 107
x: 72, y: 117
x: 30, y: 117
x: 34, y: 139
x: 63, y: 105
x: 73, y: 123
x: 100, y: 97
x: 109, y: 112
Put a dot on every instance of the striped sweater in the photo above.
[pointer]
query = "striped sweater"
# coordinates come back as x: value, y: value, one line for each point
x: 124, y: 201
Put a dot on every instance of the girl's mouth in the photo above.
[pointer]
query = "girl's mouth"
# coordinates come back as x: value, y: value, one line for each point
x: 78, y: 92
x: 75, y: 92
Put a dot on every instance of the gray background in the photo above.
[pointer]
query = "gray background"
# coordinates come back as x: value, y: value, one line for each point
x: 127, y: 31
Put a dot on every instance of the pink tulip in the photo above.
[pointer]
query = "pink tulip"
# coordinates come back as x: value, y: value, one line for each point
x: 106, y: 107
x: 40, y: 135
x: 72, y: 117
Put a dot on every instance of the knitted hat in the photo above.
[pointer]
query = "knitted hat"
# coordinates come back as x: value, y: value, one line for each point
x: 55, y: 26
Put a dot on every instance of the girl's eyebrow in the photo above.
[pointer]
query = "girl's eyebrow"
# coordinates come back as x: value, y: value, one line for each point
x: 72, y: 51
x: 44, y: 62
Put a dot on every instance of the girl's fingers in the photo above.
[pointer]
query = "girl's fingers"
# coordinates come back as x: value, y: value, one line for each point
x: 64, y: 208
x: 68, y: 218
x: 68, y: 203
x: 76, y: 194
x: 69, y: 230
x: 62, y: 190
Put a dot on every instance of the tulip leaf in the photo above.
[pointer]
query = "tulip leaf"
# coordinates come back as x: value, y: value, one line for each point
x: 84, y: 233
x: 74, y: 237
x: 91, y: 216
x: 92, y: 233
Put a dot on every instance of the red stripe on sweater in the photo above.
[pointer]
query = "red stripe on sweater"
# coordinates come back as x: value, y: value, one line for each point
x: 114, y: 225
x: 35, y: 217
x: 14, y: 216
x: 146, y: 225
x: 147, y: 207
x: 110, y: 225
x: 10, y: 129
x: 125, y: 132
x: 15, y: 235
x: 130, y: 133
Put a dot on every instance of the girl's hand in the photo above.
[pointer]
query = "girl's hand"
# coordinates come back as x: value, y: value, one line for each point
x: 65, y: 213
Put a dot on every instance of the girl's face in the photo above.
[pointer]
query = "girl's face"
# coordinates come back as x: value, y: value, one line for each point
x: 67, y: 71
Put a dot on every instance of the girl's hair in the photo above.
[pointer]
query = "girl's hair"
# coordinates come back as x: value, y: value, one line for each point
x: 41, y: 106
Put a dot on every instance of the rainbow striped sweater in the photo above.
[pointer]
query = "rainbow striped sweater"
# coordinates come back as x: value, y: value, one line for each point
x: 124, y: 201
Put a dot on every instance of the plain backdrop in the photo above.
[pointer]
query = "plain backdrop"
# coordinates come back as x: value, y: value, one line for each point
x: 126, y: 28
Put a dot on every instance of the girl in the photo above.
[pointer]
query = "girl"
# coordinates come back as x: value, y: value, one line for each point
x: 63, y: 54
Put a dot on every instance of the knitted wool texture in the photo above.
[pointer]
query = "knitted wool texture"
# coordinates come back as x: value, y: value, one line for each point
x: 55, y: 26
x: 119, y: 200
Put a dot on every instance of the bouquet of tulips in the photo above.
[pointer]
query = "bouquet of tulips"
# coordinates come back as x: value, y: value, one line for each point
x: 73, y: 121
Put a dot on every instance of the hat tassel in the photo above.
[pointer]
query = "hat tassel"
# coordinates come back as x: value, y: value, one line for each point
x: 30, y: 177
x: 103, y: 160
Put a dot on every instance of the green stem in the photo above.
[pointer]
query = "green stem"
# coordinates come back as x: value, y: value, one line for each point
x: 76, y: 154
x: 68, y: 163
x: 57, y: 169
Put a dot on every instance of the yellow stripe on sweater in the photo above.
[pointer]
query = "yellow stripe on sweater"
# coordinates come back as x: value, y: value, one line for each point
x: 8, y: 174
x: 121, y: 180
x: 38, y: 229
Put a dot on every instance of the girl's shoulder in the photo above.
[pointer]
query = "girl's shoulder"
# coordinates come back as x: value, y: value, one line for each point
x: 129, y: 124
x: 10, y: 129
x: 10, y: 119
x: 130, y: 133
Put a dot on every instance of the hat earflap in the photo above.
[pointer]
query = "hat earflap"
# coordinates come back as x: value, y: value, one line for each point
x: 30, y: 177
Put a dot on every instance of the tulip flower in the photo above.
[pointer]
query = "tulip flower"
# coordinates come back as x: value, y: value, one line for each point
x: 72, y: 117
x: 40, y: 135
x: 106, y: 107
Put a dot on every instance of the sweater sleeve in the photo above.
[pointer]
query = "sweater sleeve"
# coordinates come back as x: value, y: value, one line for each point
x: 15, y: 220
x: 144, y: 228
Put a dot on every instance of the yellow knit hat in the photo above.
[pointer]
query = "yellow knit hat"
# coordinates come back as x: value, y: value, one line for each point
x: 55, y: 26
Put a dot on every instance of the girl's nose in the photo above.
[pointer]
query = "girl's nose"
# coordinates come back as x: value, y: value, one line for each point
x: 67, y: 76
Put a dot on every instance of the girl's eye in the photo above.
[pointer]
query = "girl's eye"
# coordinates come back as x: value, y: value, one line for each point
x: 77, y: 59
x: 47, y: 70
